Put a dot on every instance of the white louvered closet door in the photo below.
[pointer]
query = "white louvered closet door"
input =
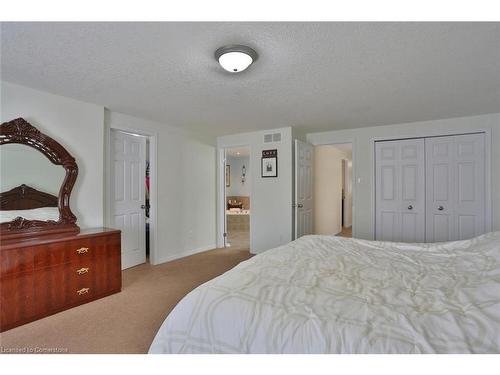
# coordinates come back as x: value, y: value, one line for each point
x: 455, y: 174
x: 400, y: 191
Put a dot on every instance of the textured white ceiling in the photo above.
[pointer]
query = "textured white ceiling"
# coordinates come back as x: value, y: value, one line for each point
x: 314, y: 76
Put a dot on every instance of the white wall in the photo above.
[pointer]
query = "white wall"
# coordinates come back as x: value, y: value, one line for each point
x: 271, y: 205
x: 79, y: 127
x: 186, y: 219
x: 327, y: 182
x: 186, y: 170
x: 238, y: 188
x: 363, y: 158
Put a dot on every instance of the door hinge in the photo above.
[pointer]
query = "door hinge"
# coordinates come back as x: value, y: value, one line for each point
x: 224, y: 234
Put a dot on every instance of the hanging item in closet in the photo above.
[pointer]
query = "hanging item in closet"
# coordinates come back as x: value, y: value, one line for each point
x: 147, y: 178
x: 147, y: 189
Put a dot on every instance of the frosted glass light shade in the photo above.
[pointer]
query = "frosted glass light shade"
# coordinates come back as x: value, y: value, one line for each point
x: 235, y: 61
x: 235, y: 58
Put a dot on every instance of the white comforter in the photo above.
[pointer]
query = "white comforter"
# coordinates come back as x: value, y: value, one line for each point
x: 323, y: 294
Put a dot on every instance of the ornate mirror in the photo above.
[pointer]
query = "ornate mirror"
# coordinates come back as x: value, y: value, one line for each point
x: 37, y: 176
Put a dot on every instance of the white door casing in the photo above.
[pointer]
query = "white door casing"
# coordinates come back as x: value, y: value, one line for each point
x: 128, y: 170
x: 456, y: 191
x: 303, y: 189
x: 347, y: 187
x: 400, y: 190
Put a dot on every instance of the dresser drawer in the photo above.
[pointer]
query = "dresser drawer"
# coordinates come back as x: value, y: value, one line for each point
x: 39, y: 277
x: 81, y: 251
x: 71, y: 284
x: 61, y: 286
x: 94, y: 273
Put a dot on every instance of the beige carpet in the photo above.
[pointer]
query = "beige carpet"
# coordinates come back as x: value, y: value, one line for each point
x: 346, y: 232
x: 128, y: 321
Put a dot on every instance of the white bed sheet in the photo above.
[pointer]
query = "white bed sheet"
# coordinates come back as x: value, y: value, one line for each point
x: 44, y: 213
x: 325, y: 294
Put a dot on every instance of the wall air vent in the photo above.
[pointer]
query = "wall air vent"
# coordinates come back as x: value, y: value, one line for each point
x: 272, y: 138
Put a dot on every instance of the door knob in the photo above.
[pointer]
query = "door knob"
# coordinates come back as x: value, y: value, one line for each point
x: 440, y: 208
x: 143, y: 206
x: 410, y: 207
x: 300, y: 205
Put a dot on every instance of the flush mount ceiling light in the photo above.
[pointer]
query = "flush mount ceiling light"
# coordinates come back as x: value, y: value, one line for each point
x: 235, y: 58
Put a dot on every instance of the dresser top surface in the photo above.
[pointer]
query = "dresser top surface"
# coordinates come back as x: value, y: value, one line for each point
x: 50, y: 238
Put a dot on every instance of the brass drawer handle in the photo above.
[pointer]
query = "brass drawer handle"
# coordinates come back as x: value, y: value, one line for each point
x: 82, y: 250
x: 83, y: 270
x: 82, y: 291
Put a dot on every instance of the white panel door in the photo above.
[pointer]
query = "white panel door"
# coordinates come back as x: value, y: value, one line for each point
x: 128, y: 158
x: 440, y: 189
x: 455, y: 187
x: 303, y: 189
x: 400, y: 191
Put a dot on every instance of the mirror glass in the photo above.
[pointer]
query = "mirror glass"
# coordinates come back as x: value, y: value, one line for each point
x: 29, y: 184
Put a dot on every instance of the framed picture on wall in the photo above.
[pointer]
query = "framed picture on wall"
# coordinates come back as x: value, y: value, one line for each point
x: 228, y: 175
x: 269, y: 167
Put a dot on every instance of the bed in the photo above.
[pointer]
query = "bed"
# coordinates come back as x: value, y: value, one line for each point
x: 44, y: 213
x: 326, y: 294
x: 28, y: 203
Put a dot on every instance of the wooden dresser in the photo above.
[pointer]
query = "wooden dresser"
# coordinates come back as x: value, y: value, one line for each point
x: 42, y: 275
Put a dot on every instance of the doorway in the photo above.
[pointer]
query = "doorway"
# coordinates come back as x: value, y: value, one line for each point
x: 237, y: 198
x: 130, y: 195
x: 347, y: 194
x: 333, y: 189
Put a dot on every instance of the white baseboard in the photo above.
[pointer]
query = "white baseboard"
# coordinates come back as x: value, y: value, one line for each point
x: 186, y: 253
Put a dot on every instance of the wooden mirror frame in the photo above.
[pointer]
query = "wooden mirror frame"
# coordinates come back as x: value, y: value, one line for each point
x: 22, y: 132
